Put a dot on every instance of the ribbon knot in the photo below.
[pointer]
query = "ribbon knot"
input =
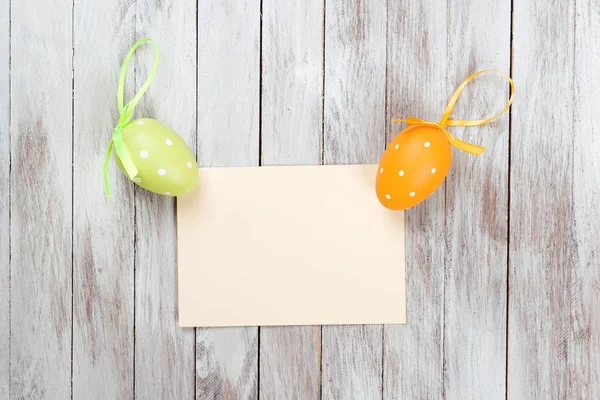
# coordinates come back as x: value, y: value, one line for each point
x: 446, y: 121
x: 125, y: 114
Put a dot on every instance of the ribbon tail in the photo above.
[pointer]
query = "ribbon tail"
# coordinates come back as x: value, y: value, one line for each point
x: 128, y: 165
x: 105, y: 168
x: 121, y: 149
x: 464, y: 146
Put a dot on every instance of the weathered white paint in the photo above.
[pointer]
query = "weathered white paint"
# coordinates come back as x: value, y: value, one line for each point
x: 416, y: 85
x: 584, y: 296
x: 226, y: 363
x: 541, y: 201
x: 292, y: 82
x: 40, y: 178
x: 290, y: 362
x: 4, y: 202
x: 354, y: 120
x: 103, y: 230
x: 228, y: 82
x: 454, y: 343
x: 477, y: 205
x: 160, y: 345
x: 291, y: 133
x: 228, y: 135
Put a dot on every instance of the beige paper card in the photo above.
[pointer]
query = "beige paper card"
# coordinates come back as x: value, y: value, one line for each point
x: 289, y: 246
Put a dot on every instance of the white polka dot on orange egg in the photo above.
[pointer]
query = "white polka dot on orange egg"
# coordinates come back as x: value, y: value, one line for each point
x: 401, y: 173
x: 387, y: 196
x: 162, y: 172
x: 427, y: 144
x: 381, y: 170
x: 143, y: 154
x: 411, y: 194
x: 396, y: 146
x: 433, y: 170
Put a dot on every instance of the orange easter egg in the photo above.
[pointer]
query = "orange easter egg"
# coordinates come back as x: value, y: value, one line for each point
x: 413, y: 166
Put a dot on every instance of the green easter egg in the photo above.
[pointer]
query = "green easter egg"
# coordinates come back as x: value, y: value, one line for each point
x: 165, y: 164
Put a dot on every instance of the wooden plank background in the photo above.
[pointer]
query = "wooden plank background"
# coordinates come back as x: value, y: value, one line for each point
x: 291, y: 133
x: 41, y: 199
x: 159, y: 342
x: 4, y: 200
x: 228, y: 134
x: 103, y: 231
x: 503, y: 278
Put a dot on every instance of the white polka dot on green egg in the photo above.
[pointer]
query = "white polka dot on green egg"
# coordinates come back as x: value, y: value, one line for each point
x: 165, y: 163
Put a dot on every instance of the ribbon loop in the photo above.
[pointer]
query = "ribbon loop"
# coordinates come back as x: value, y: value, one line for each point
x: 446, y: 121
x: 126, y: 112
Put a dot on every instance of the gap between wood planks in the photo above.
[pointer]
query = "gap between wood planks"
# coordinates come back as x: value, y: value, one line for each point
x: 260, y: 138
x: 197, y: 159
x: 73, y: 186
x: 510, y: 73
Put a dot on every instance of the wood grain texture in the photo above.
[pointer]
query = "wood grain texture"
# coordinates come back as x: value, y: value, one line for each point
x: 103, y: 230
x: 41, y: 203
x: 164, y: 353
x: 228, y: 82
x: 416, y: 85
x: 541, y: 200
x: 355, y: 68
x: 4, y: 200
x: 292, y: 82
x: 113, y: 333
x: 354, y: 121
x: 228, y: 135
x: 290, y: 362
x: 226, y: 363
x: 352, y: 365
x: 292, y: 133
x: 477, y: 205
x: 584, y: 366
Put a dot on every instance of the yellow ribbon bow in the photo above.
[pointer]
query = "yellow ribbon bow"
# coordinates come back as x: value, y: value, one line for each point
x: 445, y: 121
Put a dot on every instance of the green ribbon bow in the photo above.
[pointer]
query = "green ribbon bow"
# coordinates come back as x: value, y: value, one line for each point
x: 126, y: 111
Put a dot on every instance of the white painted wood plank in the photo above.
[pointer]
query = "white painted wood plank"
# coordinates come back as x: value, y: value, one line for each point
x: 354, y: 120
x: 584, y: 366
x: 355, y: 68
x: 228, y: 135
x: 541, y: 200
x: 292, y: 82
x: 416, y: 85
x: 164, y: 353
x: 41, y: 206
x: 226, y: 363
x: 292, y: 133
x: 103, y: 230
x: 228, y: 82
x: 352, y: 362
x: 4, y: 201
x: 477, y: 205
x: 290, y: 362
